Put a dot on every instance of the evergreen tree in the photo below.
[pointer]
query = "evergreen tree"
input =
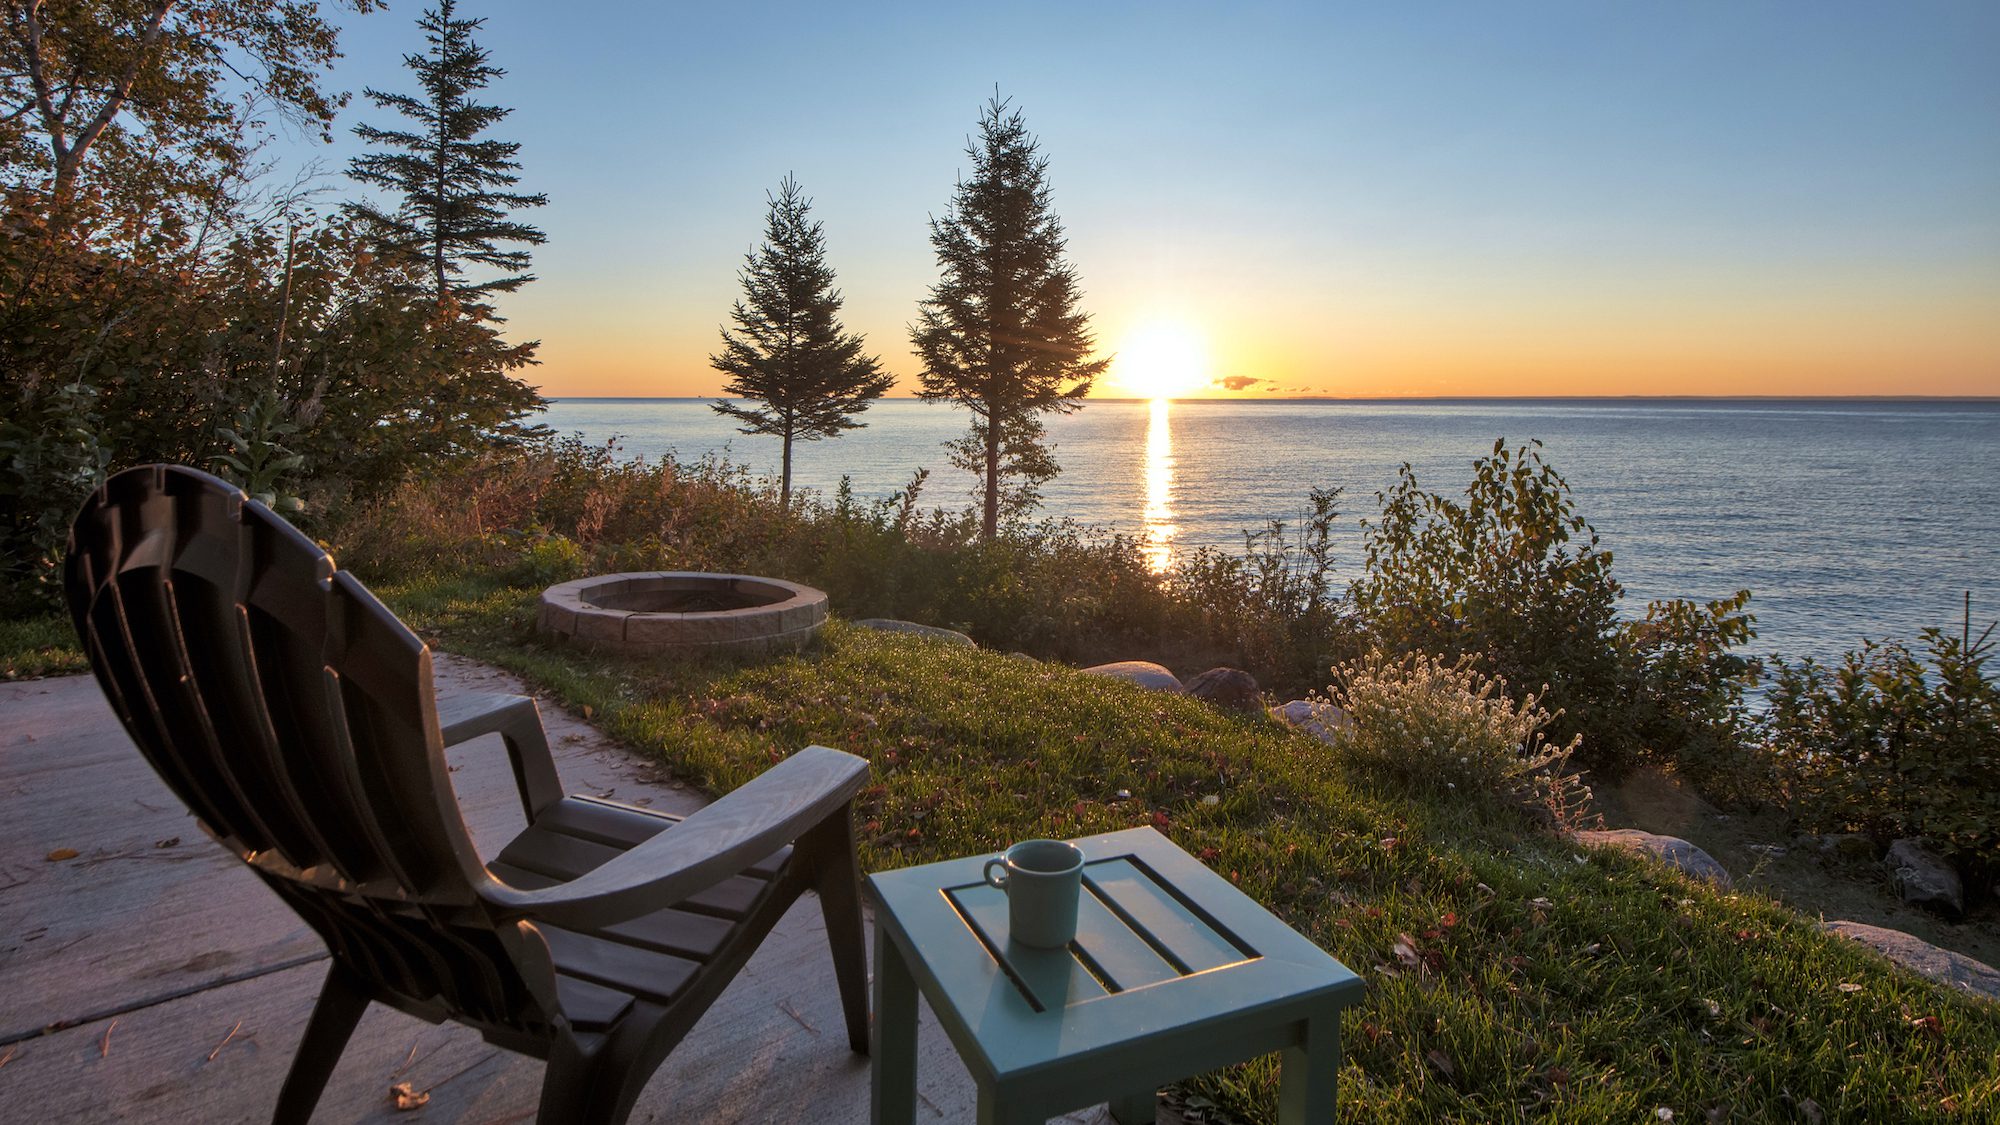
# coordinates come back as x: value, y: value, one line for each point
x: 455, y: 207
x: 789, y: 352
x: 1001, y: 333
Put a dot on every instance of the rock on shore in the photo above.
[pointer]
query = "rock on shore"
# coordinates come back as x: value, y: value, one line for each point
x: 1921, y: 957
x: 1145, y: 673
x: 1231, y: 689
x: 1922, y: 879
x: 1321, y: 720
x: 891, y: 625
x: 1669, y: 849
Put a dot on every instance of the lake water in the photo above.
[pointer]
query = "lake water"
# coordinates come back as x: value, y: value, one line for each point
x: 1846, y: 519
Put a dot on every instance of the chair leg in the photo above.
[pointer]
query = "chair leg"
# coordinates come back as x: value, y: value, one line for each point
x: 838, y: 884
x: 593, y: 1086
x: 341, y: 1003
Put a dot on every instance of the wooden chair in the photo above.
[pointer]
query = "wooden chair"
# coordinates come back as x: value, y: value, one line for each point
x: 295, y: 715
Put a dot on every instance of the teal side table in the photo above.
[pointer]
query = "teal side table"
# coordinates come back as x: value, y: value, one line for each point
x: 1173, y: 972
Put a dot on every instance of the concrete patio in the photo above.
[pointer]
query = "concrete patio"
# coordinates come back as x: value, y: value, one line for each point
x: 149, y: 977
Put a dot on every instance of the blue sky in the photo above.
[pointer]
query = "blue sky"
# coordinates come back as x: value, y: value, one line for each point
x: 1339, y: 199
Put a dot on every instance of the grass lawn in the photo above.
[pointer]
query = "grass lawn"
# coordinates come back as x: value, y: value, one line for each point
x: 1510, y: 975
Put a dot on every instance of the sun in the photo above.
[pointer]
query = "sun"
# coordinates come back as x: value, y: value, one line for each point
x: 1161, y: 359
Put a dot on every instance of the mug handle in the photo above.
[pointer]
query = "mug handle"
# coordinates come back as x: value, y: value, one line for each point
x: 999, y: 880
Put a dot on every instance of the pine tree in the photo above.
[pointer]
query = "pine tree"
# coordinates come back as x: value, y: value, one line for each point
x: 789, y: 351
x: 1001, y: 333
x: 455, y: 207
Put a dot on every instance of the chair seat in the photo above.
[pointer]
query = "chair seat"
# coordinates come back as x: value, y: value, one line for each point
x: 654, y: 957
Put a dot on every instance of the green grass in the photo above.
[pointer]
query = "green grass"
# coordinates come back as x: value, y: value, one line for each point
x: 1510, y: 975
x: 39, y: 646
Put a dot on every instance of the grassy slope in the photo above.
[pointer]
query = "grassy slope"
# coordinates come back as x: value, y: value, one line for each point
x: 1534, y: 979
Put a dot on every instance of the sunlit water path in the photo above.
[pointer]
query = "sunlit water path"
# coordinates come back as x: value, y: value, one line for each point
x: 1846, y: 519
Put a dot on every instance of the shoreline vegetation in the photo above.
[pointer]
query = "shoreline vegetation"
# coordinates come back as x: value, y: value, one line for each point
x: 1512, y: 972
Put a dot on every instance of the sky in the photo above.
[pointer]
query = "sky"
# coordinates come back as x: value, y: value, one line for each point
x: 1327, y: 199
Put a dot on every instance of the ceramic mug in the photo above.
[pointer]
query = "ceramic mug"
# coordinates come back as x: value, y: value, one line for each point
x: 1042, y: 879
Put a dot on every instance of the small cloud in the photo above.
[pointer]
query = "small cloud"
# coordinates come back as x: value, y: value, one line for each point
x: 1236, y: 382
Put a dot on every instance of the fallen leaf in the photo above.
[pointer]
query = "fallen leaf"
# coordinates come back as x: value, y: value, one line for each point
x: 61, y: 854
x: 406, y: 1098
x: 1405, y: 950
x: 169, y: 842
x: 1442, y: 1062
x: 589, y: 712
x: 1846, y: 986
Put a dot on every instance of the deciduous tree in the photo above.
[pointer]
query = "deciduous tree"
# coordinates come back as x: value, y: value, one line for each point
x: 1001, y: 333
x: 789, y: 354
x: 166, y: 96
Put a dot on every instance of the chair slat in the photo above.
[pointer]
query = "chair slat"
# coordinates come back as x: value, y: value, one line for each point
x: 629, y: 968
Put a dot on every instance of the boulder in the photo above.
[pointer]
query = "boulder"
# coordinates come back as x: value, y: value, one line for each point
x: 1954, y: 970
x: 1145, y: 673
x: 1922, y: 879
x: 1671, y: 850
x: 1319, y: 719
x: 1231, y: 689
x: 891, y: 625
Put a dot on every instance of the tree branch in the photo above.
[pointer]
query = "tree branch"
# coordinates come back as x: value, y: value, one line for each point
x: 120, y: 90
x: 38, y: 77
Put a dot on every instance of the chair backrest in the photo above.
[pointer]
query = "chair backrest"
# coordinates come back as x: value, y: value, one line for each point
x: 295, y: 715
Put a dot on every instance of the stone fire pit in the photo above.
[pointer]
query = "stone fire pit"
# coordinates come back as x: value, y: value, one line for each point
x: 682, y: 613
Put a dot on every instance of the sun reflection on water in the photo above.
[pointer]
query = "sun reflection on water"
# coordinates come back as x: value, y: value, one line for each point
x: 1157, y: 539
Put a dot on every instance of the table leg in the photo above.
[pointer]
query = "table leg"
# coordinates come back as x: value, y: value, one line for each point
x: 1309, y: 1074
x: 1135, y: 1109
x: 893, y: 1073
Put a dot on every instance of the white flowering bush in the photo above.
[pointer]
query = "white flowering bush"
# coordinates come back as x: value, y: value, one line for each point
x: 1439, y: 726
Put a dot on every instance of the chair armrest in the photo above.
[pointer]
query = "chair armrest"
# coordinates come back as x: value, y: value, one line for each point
x: 717, y: 841
x: 463, y: 716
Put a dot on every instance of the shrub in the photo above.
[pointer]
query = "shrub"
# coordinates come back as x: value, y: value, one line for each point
x: 1893, y: 744
x: 1684, y: 693
x: 272, y: 352
x: 1275, y: 605
x: 1440, y: 726
x: 1510, y: 577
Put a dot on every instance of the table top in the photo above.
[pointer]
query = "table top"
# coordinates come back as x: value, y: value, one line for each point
x: 1163, y: 944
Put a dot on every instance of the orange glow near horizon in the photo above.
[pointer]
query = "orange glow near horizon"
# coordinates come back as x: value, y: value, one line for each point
x: 1372, y: 344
